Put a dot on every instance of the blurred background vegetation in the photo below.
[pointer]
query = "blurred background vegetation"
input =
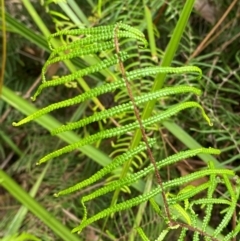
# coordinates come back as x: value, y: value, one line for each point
x: 211, y: 41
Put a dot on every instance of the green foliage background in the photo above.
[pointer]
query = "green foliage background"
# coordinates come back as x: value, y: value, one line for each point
x: 21, y: 148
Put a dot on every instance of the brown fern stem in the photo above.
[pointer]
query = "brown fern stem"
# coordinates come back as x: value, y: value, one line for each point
x: 137, y: 114
x: 170, y: 222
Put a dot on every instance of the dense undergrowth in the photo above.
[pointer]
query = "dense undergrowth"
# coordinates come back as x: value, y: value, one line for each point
x: 21, y: 148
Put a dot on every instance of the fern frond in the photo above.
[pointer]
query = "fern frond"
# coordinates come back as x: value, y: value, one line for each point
x: 125, y: 107
x: 211, y: 201
x: 210, y: 193
x: 233, y: 233
x: 234, y: 198
x: 102, y: 89
x: 182, y: 234
x: 110, y: 167
x: 163, y: 234
x: 134, y: 177
x: 145, y: 197
x: 80, y: 73
x: 97, y: 47
x: 123, y: 129
x: 131, y: 179
x: 104, y: 30
x: 142, y: 234
x: 189, y: 194
x: 78, y: 99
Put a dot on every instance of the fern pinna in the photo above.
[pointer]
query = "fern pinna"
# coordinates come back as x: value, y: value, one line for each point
x: 178, y: 210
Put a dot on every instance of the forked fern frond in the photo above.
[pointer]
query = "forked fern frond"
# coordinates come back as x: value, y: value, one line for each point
x: 105, y: 39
